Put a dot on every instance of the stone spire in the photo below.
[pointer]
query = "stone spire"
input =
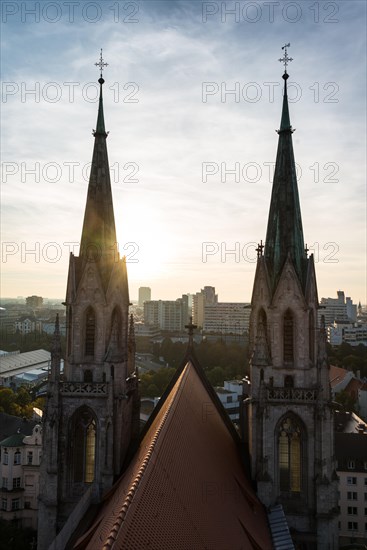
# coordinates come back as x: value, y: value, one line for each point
x: 284, y: 234
x: 99, y: 234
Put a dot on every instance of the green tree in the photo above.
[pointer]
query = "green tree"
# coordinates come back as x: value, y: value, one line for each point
x: 23, y: 397
x: 7, y: 401
x: 216, y: 376
x: 152, y: 391
x: 19, y: 403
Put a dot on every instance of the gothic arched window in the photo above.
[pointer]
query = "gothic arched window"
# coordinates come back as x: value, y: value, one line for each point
x: 290, y: 455
x: 311, y: 345
x: 288, y: 345
x: 83, y: 436
x: 90, y: 331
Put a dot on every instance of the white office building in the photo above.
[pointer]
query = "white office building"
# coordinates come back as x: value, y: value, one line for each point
x: 338, y: 309
x: 227, y: 318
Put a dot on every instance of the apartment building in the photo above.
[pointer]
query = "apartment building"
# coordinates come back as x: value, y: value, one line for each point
x: 19, y: 474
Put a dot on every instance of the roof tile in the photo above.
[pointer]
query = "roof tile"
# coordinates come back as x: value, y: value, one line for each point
x: 186, y: 486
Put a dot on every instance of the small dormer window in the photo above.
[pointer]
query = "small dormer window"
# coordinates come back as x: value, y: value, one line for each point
x: 351, y: 464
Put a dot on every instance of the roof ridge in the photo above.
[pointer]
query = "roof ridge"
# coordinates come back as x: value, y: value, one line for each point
x: 135, y: 484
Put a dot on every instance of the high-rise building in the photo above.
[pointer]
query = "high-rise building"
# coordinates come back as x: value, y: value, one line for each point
x: 168, y: 315
x: 205, y: 297
x: 92, y: 413
x: 144, y: 295
x: 338, y: 309
x: 34, y: 301
x: 291, y: 415
x: 227, y: 318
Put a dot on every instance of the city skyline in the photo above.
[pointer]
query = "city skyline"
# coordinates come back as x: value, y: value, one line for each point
x: 176, y: 130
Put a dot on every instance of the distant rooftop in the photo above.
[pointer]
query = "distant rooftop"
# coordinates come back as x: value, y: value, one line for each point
x: 15, y: 440
x: 10, y: 424
x: 348, y: 422
x: 336, y: 375
x: 12, y: 362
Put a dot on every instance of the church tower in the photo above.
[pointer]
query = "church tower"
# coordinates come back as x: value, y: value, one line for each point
x: 91, y: 413
x: 291, y: 432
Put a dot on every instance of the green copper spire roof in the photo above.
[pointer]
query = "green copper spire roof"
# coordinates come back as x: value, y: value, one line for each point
x: 100, y: 129
x: 284, y: 234
x: 99, y: 233
x: 285, y: 123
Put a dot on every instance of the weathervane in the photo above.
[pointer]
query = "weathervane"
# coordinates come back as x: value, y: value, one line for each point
x: 101, y: 64
x: 285, y: 59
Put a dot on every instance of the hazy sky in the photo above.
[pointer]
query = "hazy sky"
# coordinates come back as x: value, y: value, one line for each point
x: 175, y: 129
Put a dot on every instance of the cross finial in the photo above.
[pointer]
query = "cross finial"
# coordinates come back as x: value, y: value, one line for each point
x: 259, y: 249
x: 285, y: 59
x: 190, y: 328
x: 101, y: 64
x: 307, y: 250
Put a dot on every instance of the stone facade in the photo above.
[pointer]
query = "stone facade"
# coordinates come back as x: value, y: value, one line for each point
x: 297, y: 389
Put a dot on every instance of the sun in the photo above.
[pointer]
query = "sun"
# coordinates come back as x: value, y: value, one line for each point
x: 144, y: 241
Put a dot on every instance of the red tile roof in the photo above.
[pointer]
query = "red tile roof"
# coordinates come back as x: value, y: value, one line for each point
x: 186, y: 486
x: 354, y: 385
x: 336, y: 375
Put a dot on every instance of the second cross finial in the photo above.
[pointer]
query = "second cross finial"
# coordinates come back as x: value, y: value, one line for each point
x: 101, y: 64
x: 285, y: 59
